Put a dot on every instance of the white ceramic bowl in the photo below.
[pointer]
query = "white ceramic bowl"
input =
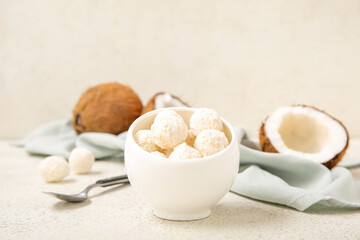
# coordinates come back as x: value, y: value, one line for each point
x: 180, y: 189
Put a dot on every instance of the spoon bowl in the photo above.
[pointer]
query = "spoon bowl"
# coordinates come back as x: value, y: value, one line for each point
x: 75, y: 198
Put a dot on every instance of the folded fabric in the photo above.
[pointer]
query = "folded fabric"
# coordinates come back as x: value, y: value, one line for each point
x: 276, y: 178
x: 59, y: 138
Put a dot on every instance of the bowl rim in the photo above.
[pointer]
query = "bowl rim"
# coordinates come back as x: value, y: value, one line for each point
x: 214, y: 156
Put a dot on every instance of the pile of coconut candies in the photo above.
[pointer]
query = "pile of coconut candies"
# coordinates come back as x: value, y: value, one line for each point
x: 56, y: 168
x: 170, y: 137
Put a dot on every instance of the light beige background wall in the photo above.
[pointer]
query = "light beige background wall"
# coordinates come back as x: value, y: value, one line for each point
x: 243, y: 58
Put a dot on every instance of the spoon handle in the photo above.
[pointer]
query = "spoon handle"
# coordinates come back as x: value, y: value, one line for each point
x: 115, y: 180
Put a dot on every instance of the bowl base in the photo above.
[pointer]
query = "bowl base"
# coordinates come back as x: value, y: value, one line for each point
x: 182, y: 216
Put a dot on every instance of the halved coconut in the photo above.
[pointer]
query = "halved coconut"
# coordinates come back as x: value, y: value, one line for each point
x: 163, y: 100
x: 307, y: 132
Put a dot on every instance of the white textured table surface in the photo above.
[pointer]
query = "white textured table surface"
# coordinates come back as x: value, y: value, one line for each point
x: 26, y: 213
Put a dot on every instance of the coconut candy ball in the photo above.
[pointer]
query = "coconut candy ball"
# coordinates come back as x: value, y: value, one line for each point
x: 210, y: 141
x: 54, y: 168
x: 159, y: 154
x: 184, y: 151
x: 145, y: 139
x: 169, y: 129
x: 165, y: 114
x: 205, y: 118
x: 81, y: 160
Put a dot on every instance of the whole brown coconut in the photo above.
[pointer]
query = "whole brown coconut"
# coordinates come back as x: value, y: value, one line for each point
x: 267, y: 144
x: 108, y: 108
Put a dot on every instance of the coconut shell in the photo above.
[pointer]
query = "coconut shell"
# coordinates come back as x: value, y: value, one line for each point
x: 267, y: 146
x: 151, y: 103
x: 108, y: 108
x: 265, y: 143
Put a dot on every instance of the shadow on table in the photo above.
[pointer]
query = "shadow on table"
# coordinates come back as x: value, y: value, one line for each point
x: 64, y: 181
x: 315, y: 209
x: 323, y: 210
x: 238, y: 214
x: 93, y: 173
x: 65, y: 206
x: 229, y: 215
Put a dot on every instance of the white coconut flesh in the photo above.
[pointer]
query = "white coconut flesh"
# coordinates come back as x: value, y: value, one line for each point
x: 165, y: 100
x: 306, y: 132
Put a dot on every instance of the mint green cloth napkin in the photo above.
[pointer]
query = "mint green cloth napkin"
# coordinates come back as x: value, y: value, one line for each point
x: 59, y: 138
x: 276, y: 178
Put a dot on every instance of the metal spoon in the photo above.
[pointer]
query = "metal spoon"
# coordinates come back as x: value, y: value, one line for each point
x: 83, y: 195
